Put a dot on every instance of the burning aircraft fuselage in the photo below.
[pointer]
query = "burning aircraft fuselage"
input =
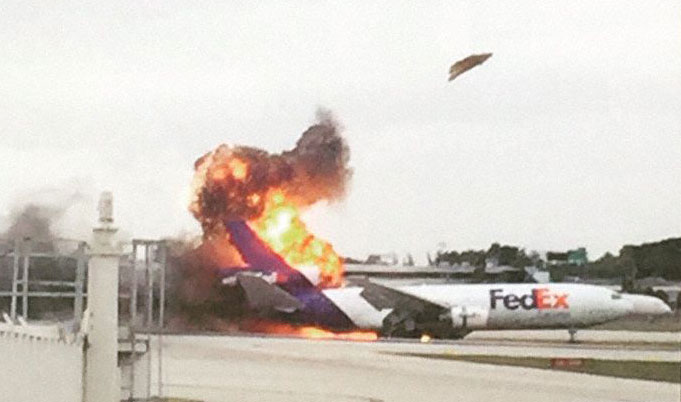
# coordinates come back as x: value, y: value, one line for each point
x: 248, y: 202
x: 446, y: 310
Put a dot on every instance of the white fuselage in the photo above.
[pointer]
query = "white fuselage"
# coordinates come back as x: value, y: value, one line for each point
x: 502, y: 306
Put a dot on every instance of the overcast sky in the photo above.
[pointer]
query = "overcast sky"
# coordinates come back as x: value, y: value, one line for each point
x: 569, y: 135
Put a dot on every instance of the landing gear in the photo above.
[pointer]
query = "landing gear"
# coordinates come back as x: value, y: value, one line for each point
x: 400, y: 326
x: 404, y: 324
x: 572, y: 332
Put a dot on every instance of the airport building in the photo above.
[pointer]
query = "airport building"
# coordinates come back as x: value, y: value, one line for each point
x: 577, y: 257
x: 464, y: 273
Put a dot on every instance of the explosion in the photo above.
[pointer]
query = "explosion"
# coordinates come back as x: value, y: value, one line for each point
x: 282, y: 229
x: 269, y: 191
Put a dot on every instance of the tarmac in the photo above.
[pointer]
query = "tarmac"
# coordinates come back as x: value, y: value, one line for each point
x: 248, y: 368
x: 584, y: 336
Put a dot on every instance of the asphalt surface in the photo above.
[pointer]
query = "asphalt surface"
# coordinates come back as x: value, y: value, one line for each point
x: 583, y: 335
x: 228, y: 368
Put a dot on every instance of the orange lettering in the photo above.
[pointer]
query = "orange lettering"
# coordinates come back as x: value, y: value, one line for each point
x: 542, y: 298
x: 561, y: 301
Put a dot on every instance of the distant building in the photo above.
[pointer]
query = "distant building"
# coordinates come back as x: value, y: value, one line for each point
x: 556, y: 258
x: 577, y: 257
x: 458, y: 273
x: 492, y: 261
x: 382, y: 259
x: 463, y: 269
x: 504, y: 274
x: 534, y: 274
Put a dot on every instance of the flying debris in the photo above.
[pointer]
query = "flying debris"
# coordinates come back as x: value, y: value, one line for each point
x: 466, y: 64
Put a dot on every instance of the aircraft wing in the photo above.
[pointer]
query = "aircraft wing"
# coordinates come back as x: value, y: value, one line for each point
x: 383, y: 297
x: 262, y: 295
x: 410, y: 315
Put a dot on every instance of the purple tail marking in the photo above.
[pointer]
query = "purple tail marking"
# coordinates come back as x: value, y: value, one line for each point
x: 318, y: 310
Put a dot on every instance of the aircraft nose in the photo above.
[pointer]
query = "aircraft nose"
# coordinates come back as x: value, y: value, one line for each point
x: 648, y: 305
x: 665, y: 309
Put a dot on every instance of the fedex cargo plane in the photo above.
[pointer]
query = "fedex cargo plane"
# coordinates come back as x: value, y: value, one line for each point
x: 274, y: 288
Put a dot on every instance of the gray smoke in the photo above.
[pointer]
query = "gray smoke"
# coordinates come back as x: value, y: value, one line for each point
x: 34, y: 221
x: 48, y: 214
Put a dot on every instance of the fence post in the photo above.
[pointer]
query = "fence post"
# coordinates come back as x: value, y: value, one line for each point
x: 79, y: 285
x: 15, y: 278
x: 102, y: 376
x: 26, y: 249
x: 161, y: 314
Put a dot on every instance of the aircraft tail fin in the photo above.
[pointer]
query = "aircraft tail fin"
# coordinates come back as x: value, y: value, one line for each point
x: 260, y: 258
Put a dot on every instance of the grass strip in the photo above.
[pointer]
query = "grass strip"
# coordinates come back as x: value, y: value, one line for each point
x: 642, y: 370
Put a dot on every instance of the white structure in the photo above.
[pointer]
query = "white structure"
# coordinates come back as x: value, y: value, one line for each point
x: 50, y: 363
x: 40, y: 363
x: 102, y: 377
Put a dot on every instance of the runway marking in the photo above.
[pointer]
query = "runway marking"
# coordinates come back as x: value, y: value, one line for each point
x: 545, y: 343
x: 636, y: 369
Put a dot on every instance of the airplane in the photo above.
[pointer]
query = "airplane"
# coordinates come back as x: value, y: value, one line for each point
x: 275, y: 289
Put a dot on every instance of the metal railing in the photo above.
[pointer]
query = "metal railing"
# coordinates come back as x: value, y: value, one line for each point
x: 33, y: 266
x: 146, y: 272
x: 23, y: 253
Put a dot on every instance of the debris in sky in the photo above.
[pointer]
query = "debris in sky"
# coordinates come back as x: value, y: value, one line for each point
x: 466, y: 64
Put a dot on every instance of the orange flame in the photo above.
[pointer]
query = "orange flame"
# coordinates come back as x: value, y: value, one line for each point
x: 310, y: 332
x: 236, y: 183
x: 319, y: 333
x: 282, y: 229
x: 239, y: 169
x: 235, y: 167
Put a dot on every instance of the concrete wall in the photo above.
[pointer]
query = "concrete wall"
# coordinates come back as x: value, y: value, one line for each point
x: 38, y: 364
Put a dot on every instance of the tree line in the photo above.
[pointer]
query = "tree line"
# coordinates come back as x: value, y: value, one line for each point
x: 660, y: 259
x: 500, y: 255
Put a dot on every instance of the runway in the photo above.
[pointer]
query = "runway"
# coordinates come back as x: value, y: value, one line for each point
x: 585, y: 336
x: 229, y: 368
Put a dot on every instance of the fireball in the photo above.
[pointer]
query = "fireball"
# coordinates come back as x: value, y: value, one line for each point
x: 285, y: 233
x: 269, y: 191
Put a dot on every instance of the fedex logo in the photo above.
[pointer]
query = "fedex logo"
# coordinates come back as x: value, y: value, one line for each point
x: 540, y: 298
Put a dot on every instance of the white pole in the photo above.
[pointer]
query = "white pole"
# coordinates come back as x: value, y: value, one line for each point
x: 15, y: 279
x: 102, y: 376
x: 79, y: 286
x: 24, y: 282
x: 161, y: 314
